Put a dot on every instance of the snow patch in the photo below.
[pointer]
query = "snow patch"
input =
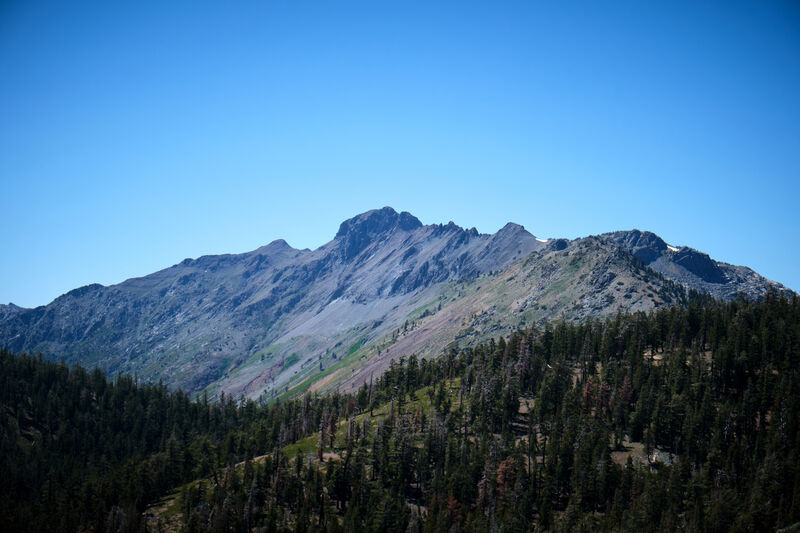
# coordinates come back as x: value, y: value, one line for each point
x: 541, y: 240
x: 672, y: 248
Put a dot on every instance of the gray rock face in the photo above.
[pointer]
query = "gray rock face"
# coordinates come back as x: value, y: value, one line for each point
x: 7, y: 311
x: 358, y: 232
x: 692, y: 268
x: 645, y: 246
x: 262, y: 320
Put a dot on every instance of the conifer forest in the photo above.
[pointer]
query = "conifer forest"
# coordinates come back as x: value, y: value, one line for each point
x: 681, y: 419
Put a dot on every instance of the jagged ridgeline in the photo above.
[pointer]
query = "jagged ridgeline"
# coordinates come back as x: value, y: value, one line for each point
x: 279, y: 319
x: 683, y: 418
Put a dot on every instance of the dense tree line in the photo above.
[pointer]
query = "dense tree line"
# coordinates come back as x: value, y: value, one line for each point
x: 681, y: 419
x: 82, y: 452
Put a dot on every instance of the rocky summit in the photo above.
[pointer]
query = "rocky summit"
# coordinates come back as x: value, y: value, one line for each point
x: 277, y: 319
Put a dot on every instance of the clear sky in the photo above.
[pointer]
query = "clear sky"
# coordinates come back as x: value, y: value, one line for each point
x: 136, y: 134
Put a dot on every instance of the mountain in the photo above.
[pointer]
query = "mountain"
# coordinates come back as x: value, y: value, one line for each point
x: 385, y: 286
x: 7, y: 311
x: 693, y: 269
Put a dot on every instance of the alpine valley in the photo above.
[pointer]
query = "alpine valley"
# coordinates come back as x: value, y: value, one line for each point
x: 278, y: 320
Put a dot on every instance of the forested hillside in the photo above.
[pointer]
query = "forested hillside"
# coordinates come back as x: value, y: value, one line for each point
x: 681, y: 419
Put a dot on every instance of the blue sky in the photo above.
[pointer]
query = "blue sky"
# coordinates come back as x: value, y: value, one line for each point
x: 133, y: 136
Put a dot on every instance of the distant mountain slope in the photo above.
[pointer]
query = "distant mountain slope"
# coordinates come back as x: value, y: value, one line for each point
x: 7, y: 311
x: 385, y: 286
x: 693, y: 269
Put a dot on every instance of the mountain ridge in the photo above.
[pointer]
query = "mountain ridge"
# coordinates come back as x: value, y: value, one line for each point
x: 263, y: 321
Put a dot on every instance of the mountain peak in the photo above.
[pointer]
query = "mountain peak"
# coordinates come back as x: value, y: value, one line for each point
x: 7, y: 311
x: 378, y: 221
x: 677, y: 263
x: 277, y: 245
x: 645, y: 245
x: 512, y: 227
x: 358, y: 232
